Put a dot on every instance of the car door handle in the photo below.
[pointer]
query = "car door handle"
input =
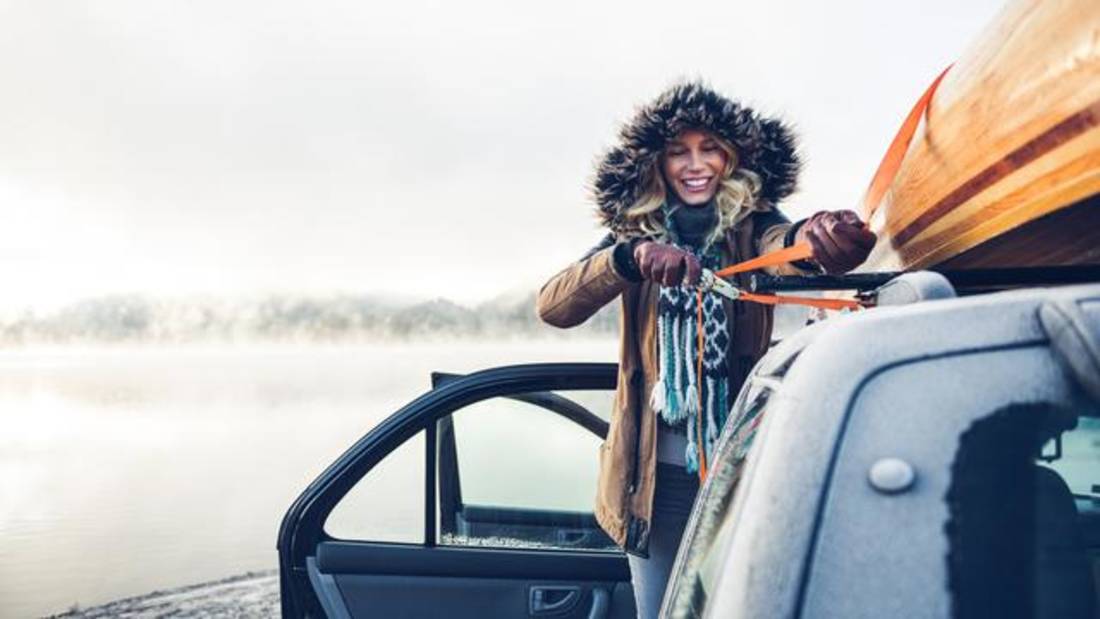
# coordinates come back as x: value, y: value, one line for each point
x: 553, y: 600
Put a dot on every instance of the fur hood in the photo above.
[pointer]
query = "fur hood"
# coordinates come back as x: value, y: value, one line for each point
x: 765, y: 146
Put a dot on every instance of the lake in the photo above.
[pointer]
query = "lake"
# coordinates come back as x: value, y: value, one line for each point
x: 129, y: 469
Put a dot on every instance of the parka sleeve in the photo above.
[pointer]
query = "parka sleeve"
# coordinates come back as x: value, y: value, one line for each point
x: 582, y: 288
x: 772, y: 231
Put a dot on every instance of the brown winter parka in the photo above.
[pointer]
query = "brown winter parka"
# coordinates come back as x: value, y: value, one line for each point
x: 766, y: 148
x: 628, y: 456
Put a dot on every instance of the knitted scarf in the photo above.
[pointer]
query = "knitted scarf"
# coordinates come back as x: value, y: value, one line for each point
x: 687, y: 392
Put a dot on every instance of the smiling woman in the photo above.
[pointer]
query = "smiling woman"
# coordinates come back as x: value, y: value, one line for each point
x: 693, y: 183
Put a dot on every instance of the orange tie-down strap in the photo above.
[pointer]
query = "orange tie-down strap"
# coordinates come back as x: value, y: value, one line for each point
x: 831, y: 304
x: 700, y: 441
x: 895, y: 154
x: 801, y: 251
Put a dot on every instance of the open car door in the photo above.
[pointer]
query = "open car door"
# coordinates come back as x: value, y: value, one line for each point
x: 474, y: 500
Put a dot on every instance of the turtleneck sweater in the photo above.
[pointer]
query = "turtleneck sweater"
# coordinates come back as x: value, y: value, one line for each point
x: 692, y: 224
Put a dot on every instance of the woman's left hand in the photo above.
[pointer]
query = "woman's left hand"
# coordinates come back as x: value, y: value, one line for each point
x: 841, y: 241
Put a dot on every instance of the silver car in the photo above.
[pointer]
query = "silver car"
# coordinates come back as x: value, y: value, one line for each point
x: 935, y: 460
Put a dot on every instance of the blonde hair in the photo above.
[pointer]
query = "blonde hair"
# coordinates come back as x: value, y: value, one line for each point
x: 736, y: 197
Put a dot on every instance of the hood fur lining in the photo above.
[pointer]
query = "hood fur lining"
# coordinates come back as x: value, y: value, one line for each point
x: 765, y: 146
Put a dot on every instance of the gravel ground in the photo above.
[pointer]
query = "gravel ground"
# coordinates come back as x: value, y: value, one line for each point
x: 255, y: 594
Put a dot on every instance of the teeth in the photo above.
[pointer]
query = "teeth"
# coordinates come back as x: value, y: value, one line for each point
x: 696, y: 182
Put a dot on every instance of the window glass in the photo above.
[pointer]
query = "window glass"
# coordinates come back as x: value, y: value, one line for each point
x: 1079, y: 464
x: 696, y: 576
x: 387, y: 504
x: 516, y: 471
x: 595, y: 401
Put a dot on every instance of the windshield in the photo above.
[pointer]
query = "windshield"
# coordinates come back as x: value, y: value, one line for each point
x: 698, y: 570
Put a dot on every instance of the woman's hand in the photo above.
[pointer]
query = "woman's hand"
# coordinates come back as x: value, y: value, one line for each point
x: 667, y: 265
x: 841, y: 241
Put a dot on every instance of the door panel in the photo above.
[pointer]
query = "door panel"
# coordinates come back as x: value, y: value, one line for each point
x: 409, y: 560
x: 381, y: 580
x: 475, y: 598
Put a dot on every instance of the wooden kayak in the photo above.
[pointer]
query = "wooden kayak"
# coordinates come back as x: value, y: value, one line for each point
x: 1003, y: 168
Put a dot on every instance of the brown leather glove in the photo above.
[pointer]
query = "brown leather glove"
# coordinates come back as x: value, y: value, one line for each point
x: 667, y: 265
x: 841, y: 241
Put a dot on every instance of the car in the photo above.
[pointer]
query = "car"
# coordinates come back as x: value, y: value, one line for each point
x: 940, y: 459
x: 937, y: 458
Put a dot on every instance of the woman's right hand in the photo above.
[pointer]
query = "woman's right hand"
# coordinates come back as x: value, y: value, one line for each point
x: 667, y: 265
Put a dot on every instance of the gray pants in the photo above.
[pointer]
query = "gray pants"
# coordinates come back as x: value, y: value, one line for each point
x: 672, y: 500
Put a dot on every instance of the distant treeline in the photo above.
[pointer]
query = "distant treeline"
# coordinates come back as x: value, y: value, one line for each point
x: 134, y: 318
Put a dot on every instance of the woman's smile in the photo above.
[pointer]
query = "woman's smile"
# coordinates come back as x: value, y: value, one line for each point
x: 696, y: 184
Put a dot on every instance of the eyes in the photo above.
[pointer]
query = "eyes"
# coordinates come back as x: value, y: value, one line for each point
x: 708, y: 147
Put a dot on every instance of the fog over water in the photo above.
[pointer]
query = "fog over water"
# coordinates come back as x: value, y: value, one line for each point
x: 281, y: 318
x: 124, y: 470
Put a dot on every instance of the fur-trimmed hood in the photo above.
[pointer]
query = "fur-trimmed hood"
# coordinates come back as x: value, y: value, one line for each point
x: 765, y: 146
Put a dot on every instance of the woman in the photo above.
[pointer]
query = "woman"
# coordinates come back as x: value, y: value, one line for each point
x: 692, y: 183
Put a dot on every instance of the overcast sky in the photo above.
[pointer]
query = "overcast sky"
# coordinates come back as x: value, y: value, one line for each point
x: 417, y: 148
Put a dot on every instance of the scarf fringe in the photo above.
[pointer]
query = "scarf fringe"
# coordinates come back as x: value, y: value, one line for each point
x: 674, y: 403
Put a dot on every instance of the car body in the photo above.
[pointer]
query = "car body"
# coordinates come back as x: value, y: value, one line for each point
x: 804, y: 528
x: 856, y: 499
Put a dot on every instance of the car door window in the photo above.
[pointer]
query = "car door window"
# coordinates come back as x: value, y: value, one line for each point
x: 1079, y: 464
x: 387, y: 504
x: 1024, y: 533
x: 520, y: 470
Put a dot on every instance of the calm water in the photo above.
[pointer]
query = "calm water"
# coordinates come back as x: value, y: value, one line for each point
x: 127, y: 470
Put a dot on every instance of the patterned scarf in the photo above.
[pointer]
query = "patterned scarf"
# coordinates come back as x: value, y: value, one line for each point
x: 689, y: 392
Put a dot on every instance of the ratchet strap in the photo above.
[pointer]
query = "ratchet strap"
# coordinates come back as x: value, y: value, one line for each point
x: 700, y: 442
x: 800, y: 251
x: 891, y: 161
x: 774, y: 299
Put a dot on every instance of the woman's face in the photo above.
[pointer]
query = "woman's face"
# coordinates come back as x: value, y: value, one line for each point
x: 693, y: 165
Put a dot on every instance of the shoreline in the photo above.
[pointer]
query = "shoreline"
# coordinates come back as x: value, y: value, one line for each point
x: 252, y: 594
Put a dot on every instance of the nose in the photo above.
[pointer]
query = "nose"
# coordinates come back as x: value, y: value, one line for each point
x: 696, y: 160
